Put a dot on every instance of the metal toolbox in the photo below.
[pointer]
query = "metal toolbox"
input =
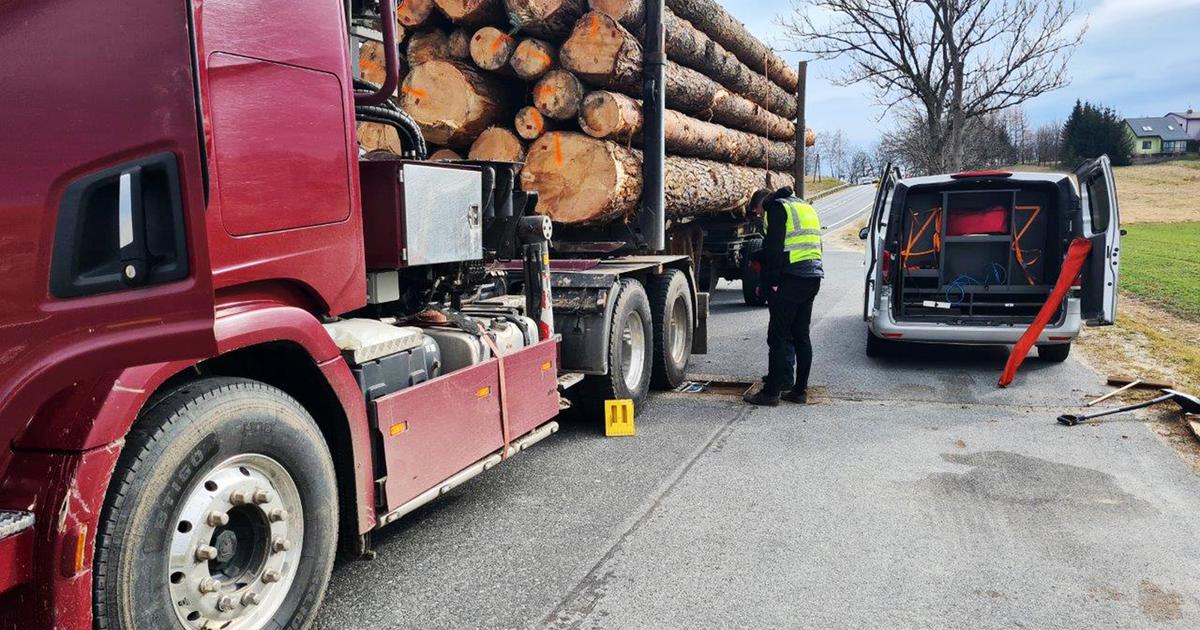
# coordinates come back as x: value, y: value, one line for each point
x: 420, y: 213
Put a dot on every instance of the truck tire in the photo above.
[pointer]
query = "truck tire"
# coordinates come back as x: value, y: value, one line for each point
x: 222, y: 511
x: 630, y: 344
x: 1054, y: 353
x: 672, y: 309
x: 753, y: 291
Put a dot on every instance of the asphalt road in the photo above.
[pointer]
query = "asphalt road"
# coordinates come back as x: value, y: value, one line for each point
x: 844, y: 206
x: 913, y: 494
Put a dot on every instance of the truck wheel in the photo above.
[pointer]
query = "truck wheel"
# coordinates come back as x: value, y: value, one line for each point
x: 222, y: 512
x: 671, y: 305
x: 1054, y: 353
x: 630, y: 340
x: 753, y: 292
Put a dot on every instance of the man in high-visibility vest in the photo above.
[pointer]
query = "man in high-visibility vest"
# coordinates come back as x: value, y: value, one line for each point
x: 792, y: 272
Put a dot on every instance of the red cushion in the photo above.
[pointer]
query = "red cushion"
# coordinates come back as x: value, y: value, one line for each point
x: 993, y: 220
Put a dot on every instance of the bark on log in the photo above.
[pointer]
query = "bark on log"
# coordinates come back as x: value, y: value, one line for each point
x: 530, y: 124
x: 443, y: 155
x: 472, y: 12
x: 498, y: 145
x: 491, y: 48
x: 459, y: 43
x: 580, y: 179
x: 454, y: 102
x: 533, y: 58
x: 427, y: 45
x: 410, y: 13
x: 614, y: 116
x: 551, y: 19
x: 711, y: 18
x: 601, y: 52
x: 558, y: 95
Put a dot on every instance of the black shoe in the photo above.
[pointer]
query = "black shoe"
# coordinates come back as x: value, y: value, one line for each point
x: 799, y: 397
x: 761, y: 398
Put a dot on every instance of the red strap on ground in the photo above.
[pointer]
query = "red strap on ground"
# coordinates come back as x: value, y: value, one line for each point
x: 1076, y: 256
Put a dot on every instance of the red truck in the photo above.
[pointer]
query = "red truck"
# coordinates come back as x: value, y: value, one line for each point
x: 229, y: 344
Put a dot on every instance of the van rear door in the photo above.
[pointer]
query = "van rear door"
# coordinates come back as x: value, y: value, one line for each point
x: 876, y: 235
x: 1100, y: 223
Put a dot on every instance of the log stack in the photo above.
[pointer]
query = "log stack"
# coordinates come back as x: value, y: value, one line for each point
x: 556, y: 84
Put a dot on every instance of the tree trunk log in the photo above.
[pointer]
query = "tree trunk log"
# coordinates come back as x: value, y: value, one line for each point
x: 443, y: 155
x: 454, y: 102
x: 614, y: 116
x: 379, y: 137
x: 411, y: 13
x: 498, y: 145
x: 459, y: 43
x: 533, y: 58
x: 711, y: 18
x: 558, y: 95
x: 491, y: 48
x: 472, y: 12
x: 580, y: 179
x: 372, y: 66
x: 427, y: 45
x: 630, y: 13
x: 600, y: 51
x: 551, y: 19
x: 530, y: 124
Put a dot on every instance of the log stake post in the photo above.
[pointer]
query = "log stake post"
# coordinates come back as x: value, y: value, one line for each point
x: 652, y: 219
x: 801, y: 130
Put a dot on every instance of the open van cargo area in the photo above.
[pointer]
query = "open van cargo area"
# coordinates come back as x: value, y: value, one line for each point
x: 978, y: 254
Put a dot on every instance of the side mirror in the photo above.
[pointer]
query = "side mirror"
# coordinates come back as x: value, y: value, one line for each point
x: 1124, y: 232
x: 864, y: 233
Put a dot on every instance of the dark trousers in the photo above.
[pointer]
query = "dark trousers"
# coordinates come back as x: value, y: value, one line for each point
x: 789, y: 347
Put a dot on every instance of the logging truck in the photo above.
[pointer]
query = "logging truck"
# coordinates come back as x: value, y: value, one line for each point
x: 235, y: 337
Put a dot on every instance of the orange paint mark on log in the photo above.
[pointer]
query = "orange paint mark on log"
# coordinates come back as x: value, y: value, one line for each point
x: 500, y: 41
x: 595, y: 30
x: 542, y: 57
x: 558, y: 149
x: 544, y: 91
x: 412, y: 91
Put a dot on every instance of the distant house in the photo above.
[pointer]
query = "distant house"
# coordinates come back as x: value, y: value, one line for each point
x: 1190, y: 120
x: 1163, y: 136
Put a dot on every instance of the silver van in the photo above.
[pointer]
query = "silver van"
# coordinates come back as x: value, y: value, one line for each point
x: 970, y: 258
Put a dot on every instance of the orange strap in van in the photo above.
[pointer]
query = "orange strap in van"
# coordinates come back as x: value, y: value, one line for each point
x: 1018, y: 252
x: 935, y: 219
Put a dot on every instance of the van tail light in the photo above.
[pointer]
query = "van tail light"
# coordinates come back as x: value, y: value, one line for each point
x: 886, y: 262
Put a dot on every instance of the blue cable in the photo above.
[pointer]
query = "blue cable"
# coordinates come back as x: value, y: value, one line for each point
x: 995, y: 272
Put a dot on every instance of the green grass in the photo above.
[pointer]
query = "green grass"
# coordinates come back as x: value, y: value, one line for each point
x: 1160, y: 263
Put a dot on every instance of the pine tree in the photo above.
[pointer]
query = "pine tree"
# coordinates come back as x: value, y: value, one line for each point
x: 1092, y: 131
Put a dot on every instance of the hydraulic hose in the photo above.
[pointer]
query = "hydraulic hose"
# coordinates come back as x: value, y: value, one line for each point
x: 388, y: 113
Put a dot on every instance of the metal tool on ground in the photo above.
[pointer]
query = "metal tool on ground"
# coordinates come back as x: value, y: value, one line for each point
x: 1142, y: 382
x: 1124, y: 388
x: 1188, y: 403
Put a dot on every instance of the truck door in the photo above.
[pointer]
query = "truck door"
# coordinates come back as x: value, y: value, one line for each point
x: 1100, y: 223
x: 103, y: 258
x: 876, y: 235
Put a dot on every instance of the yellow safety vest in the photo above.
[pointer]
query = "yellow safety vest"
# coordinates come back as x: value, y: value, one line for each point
x: 803, y: 239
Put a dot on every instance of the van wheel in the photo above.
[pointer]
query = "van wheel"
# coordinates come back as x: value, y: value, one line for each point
x: 753, y: 292
x: 630, y: 341
x: 222, y: 511
x: 878, y: 346
x: 1054, y: 353
x: 671, y: 305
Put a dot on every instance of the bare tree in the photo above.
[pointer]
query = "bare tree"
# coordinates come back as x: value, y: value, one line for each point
x: 1047, y: 142
x: 946, y: 62
x: 832, y: 148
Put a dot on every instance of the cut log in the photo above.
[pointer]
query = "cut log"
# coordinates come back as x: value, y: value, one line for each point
x: 603, y: 53
x: 491, y: 48
x: 379, y: 137
x: 630, y: 13
x: 711, y: 18
x: 459, y: 43
x: 444, y: 155
x: 580, y: 179
x: 410, y: 13
x: 454, y: 102
x: 551, y: 19
x: 371, y: 63
x: 472, y: 12
x: 497, y: 144
x: 558, y: 95
x: 530, y: 124
x: 614, y: 116
x: 427, y: 45
x: 533, y: 58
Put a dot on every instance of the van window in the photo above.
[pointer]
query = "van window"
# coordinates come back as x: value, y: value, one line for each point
x: 1097, y: 189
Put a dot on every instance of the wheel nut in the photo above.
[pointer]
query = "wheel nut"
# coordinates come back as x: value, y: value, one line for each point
x: 205, y: 553
x: 225, y: 604
x: 218, y: 519
x: 281, y: 544
x: 209, y: 585
x: 250, y: 598
x: 271, y: 576
x: 262, y: 496
x: 278, y: 515
x: 238, y: 497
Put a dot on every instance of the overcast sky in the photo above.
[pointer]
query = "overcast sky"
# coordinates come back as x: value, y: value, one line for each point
x: 1139, y: 57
